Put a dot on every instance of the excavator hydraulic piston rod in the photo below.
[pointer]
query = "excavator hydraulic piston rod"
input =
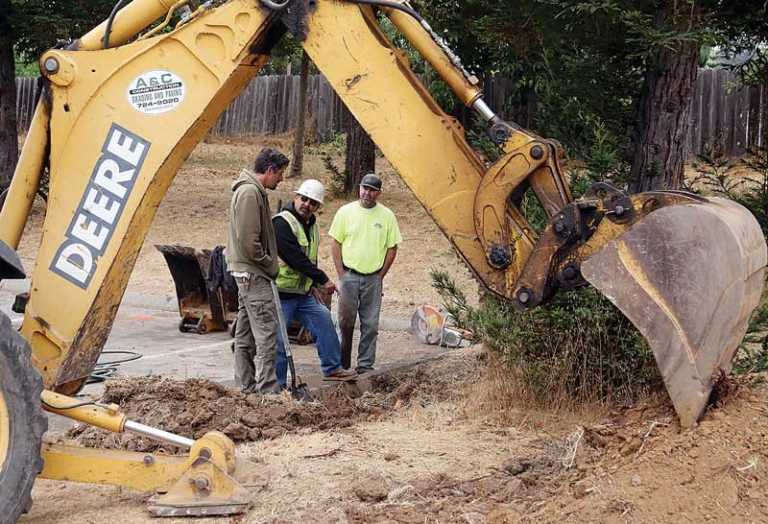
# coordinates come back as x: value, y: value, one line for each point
x: 106, y: 417
x: 158, y: 434
x: 131, y: 19
x: 463, y: 85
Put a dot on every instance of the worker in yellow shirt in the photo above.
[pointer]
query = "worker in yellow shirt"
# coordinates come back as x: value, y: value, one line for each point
x: 366, y: 236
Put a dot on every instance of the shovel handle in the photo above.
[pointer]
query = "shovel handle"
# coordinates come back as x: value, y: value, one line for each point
x: 283, y: 332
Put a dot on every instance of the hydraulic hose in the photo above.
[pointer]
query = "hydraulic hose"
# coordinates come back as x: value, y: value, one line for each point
x: 464, y: 85
x: 392, y: 5
x: 110, y: 20
x: 104, y: 370
x: 275, y: 6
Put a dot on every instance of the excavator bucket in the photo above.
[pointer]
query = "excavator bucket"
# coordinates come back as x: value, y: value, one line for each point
x: 204, y: 307
x: 688, y: 277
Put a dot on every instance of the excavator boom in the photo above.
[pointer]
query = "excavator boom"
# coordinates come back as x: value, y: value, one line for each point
x: 119, y: 113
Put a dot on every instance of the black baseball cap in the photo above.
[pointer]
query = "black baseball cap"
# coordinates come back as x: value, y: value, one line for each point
x: 371, y: 181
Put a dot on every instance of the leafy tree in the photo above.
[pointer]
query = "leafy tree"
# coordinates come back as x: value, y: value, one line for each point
x: 627, y: 67
x: 27, y: 28
x: 9, y: 147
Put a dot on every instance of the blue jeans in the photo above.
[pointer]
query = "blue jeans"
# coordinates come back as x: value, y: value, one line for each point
x: 316, y: 318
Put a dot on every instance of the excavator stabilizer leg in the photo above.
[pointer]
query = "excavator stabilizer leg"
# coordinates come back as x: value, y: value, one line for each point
x: 688, y: 277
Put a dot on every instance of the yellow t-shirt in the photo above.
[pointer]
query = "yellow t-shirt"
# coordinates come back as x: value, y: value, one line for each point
x: 365, y: 235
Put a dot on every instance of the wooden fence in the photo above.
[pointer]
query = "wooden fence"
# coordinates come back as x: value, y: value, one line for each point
x: 26, y: 89
x: 722, y: 112
x: 727, y: 115
x: 269, y: 105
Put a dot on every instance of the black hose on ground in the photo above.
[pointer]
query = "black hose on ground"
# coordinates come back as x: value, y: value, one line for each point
x: 104, y: 370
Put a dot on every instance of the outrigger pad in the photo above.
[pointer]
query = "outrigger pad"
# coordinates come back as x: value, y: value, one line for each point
x: 688, y: 277
x: 210, y: 486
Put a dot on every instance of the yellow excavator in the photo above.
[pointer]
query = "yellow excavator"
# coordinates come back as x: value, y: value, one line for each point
x: 122, y: 107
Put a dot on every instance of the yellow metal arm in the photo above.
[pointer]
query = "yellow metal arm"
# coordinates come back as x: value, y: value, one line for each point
x: 469, y: 202
x: 26, y: 178
x: 202, y: 483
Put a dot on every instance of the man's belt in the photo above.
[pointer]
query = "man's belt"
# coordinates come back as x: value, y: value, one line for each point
x: 356, y: 272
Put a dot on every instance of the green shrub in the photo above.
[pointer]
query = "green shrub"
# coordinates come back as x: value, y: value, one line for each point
x: 752, y: 356
x: 579, y: 348
x: 338, y: 175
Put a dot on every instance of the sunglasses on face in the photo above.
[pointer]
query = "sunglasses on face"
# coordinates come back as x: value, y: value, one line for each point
x: 312, y: 203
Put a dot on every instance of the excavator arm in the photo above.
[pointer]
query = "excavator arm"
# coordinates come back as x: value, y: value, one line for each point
x: 119, y: 114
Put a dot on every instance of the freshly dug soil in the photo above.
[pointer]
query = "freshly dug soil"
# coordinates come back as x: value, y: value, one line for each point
x: 193, y: 407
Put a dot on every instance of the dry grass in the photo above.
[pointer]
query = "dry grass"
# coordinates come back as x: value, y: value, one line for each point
x: 502, y: 396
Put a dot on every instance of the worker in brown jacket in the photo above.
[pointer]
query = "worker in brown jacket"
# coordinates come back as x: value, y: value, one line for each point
x: 252, y: 260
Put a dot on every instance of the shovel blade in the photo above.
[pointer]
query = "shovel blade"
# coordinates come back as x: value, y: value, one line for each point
x: 688, y: 277
x: 301, y: 393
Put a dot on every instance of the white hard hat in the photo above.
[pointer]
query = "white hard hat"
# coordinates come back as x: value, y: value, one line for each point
x: 313, y: 189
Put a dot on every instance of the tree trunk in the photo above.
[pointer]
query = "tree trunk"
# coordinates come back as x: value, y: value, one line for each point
x: 663, y: 119
x: 361, y: 156
x: 9, y: 141
x: 525, y: 106
x: 297, y: 164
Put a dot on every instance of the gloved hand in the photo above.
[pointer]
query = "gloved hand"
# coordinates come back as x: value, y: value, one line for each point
x: 321, y: 296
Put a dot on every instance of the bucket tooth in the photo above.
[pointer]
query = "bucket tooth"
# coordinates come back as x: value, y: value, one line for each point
x: 688, y: 277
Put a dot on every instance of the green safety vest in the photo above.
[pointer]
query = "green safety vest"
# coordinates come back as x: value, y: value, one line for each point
x: 288, y: 279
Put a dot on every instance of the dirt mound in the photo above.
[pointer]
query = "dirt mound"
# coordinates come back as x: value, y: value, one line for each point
x: 193, y: 407
x: 636, y: 465
x: 525, y: 480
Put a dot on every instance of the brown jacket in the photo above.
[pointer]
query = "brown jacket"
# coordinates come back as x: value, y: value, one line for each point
x: 251, y: 243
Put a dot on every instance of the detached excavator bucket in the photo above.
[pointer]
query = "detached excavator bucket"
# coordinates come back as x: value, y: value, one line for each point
x: 688, y: 276
x: 207, y: 306
x: 204, y: 308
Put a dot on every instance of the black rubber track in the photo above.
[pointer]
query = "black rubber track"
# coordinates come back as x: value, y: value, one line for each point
x: 20, y: 386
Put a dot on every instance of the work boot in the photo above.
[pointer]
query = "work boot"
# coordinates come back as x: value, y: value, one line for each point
x: 341, y: 375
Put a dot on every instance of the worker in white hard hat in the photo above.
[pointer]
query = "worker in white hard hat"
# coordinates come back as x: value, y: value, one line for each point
x: 299, y: 280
